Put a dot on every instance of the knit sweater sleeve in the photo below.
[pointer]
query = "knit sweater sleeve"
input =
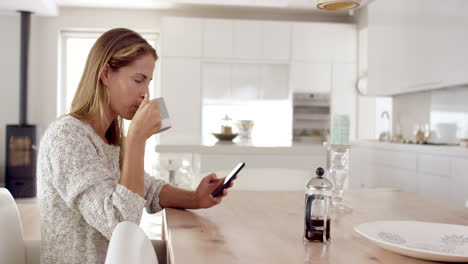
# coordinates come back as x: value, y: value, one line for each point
x: 153, y: 188
x: 88, y: 183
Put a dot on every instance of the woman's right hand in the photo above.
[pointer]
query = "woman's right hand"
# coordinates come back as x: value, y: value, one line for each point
x: 146, y: 121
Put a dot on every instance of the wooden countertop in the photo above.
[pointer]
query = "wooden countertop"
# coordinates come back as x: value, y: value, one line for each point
x: 267, y: 227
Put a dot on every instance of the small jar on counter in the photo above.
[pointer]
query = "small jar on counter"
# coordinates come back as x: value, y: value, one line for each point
x: 226, y: 125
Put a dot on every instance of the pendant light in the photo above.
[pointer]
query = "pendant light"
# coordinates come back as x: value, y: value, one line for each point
x: 336, y: 5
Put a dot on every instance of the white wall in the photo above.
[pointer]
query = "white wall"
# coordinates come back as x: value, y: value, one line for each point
x: 9, y: 76
x: 44, y: 50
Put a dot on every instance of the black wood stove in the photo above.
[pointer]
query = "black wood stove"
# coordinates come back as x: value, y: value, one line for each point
x: 21, y: 140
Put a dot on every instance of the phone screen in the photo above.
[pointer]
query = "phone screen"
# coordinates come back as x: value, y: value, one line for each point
x: 228, y: 179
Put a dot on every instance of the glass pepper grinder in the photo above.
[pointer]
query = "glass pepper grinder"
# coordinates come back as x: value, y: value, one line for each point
x: 226, y: 126
x: 317, y: 208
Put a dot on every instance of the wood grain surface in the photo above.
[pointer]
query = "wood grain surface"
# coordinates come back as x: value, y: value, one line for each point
x: 268, y: 227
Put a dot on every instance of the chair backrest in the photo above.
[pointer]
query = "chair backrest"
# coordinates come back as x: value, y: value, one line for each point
x: 269, y: 179
x: 12, y: 249
x: 129, y: 244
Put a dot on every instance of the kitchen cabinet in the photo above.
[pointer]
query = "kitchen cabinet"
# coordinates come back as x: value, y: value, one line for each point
x: 216, y: 81
x: 425, y: 50
x: 247, y: 39
x: 275, y: 82
x: 276, y: 40
x: 324, y: 42
x: 217, y: 38
x: 244, y: 81
x: 222, y: 59
x: 434, y: 164
x: 459, y: 187
x: 344, y: 43
x: 383, y: 168
x: 433, y: 174
x: 434, y: 186
x: 210, y: 162
x: 268, y: 167
x: 311, y: 77
x: 312, y: 42
x: 180, y: 86
x: 182, y: 37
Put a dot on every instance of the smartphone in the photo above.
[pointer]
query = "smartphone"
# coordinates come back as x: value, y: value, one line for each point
x: 228, y: 179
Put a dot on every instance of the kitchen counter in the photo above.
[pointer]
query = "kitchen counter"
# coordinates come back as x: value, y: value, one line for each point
x: 233, y: 148
x: 267, y: 227
x: 446, y: 150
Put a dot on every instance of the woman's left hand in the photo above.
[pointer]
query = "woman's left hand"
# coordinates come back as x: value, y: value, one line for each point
x: 205, y: 189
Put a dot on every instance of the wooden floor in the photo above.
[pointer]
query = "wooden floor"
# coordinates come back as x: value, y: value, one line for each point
x: 29, y: 213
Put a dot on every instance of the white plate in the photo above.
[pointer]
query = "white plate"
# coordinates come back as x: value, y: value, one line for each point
x: 430, y: 241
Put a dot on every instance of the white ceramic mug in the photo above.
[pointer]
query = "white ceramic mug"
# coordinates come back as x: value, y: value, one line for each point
x: 165, y: 121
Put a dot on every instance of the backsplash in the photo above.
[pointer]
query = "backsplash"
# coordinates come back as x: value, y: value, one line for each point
x: 445, y: 111
x: 449, y: 109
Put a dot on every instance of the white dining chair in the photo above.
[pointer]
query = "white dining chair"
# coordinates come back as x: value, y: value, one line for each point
x: 13, y: 248
x: 129, y: 244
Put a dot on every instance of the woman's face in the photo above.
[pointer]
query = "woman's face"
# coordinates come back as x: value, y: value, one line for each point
x: 127, y: 86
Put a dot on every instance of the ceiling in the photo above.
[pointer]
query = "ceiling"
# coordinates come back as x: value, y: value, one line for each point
x: 166, y: 4
x: 40, y: 7
x: 50, y: 7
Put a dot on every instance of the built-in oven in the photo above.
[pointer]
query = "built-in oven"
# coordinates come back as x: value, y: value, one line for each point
x: 311, y: 117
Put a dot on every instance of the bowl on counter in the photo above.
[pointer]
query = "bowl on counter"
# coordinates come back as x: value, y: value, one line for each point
x: 225, y: 137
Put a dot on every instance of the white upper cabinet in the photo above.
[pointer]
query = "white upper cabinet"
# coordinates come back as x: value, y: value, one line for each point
x: 180, y: 87
x: 181, y: 37
x: 345, y: 43
x: 216, y: 81
x: 424, y: 50
x: 218, y: 38
x: 275, y: 82
x: 312, y: 42
x: 276, y: 40
x: 247, y: 38
x: 245, y: 82
x: 311, y: 77
x: 324, y: 42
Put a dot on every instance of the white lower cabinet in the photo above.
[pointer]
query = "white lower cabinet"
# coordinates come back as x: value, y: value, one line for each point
x: 434, y: 186
x: 264, y: 171
x: 459, y: 189
x: 434, y: 176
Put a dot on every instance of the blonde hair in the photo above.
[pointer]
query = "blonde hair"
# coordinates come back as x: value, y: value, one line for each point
x: 117, y: 48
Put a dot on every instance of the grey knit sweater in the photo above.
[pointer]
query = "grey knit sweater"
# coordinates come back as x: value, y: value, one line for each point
x: 80, y: 199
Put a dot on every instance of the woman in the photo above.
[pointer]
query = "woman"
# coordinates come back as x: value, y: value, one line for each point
x: 90, y: 176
